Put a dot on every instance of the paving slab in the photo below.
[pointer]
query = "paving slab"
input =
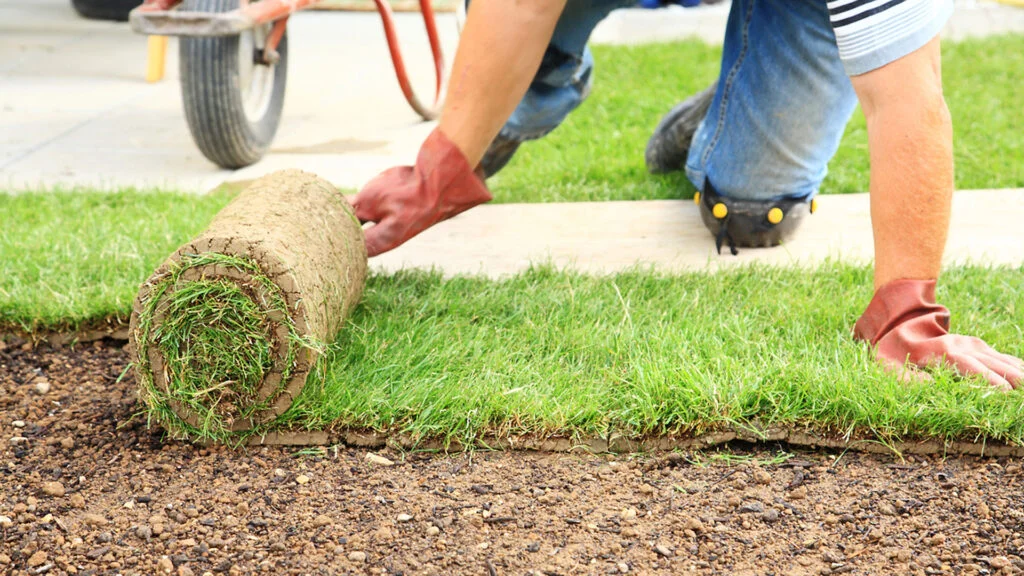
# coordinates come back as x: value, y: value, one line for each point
x: 606, y: 237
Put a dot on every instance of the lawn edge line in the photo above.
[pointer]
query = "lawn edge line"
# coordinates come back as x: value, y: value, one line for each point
x: 791, y: 436
x: 102, y: 330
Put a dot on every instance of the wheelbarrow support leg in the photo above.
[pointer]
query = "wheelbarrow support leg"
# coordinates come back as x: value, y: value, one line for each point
x: 270, y: 55
x: 156, y: 58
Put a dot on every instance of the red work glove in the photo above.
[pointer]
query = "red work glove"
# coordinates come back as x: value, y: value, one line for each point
x: 905, y: 325
x: 406, y: 200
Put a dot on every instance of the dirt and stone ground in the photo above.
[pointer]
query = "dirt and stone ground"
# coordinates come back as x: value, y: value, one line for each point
x: 84, y: 489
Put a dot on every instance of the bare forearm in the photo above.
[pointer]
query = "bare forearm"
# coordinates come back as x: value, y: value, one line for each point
x: 911, y: 190
x: 500, y: 51
x: 910, y: 136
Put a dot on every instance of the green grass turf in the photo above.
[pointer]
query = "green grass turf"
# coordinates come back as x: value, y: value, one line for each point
x: 642, y: 353
x: 70, y: 259
x: 598, y: 153
x: 555, y: 352
x: 545, y: 351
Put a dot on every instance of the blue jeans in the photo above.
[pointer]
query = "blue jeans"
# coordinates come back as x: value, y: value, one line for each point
x: 782, y: 103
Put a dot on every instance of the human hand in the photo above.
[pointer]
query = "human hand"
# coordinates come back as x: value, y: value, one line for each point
x: 906, y: 326
x: 406, y: 200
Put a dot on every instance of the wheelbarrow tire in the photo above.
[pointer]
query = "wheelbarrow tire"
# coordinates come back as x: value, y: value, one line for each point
x: 105, y: 9
x: 213, y: 97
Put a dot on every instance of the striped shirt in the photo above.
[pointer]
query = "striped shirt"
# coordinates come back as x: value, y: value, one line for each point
x: 873, y: 33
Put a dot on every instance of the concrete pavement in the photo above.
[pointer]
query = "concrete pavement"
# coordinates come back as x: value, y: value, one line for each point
x: 75, y: 111
x: 605, y: 237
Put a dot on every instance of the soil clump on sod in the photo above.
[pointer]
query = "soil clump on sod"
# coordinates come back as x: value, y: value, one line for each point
x: 86, y: 489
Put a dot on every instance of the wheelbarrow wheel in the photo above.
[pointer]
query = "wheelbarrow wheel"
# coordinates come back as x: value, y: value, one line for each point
x: 232, y: 98
x: 105, y: 9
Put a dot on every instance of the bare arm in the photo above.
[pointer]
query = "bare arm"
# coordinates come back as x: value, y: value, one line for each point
x: 910, y: 138
x: 501, y: 48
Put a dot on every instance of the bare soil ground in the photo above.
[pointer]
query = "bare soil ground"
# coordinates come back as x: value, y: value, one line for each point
x: 86, y: 490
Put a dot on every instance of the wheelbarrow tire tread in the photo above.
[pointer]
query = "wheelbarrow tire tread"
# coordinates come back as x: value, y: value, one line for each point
x: 116, y: 10
x: 213, y: 99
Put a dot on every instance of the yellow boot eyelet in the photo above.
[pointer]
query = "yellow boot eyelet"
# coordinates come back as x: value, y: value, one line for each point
x: 720, y: 210
x: 696, y: 198
x: 814, y: 205
x: 775, y: 215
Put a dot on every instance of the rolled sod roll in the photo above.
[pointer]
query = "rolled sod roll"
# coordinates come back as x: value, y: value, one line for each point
x: 226, y: 331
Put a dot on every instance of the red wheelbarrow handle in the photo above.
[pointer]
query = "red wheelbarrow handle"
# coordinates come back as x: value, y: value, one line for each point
x: 387, y: 18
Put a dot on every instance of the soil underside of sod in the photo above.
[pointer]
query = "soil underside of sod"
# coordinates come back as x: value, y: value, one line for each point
x: 93, y: 490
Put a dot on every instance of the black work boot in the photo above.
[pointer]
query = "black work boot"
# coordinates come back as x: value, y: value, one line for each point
x: 498, y: 154
x: 670, y: 143
x: 554, y: 67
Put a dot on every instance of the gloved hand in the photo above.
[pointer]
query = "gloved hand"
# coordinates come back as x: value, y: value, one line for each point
x: 406, y: 200
x: 906, y: 325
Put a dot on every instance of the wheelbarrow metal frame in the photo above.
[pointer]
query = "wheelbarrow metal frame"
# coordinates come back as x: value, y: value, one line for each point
x: 161, y: 18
